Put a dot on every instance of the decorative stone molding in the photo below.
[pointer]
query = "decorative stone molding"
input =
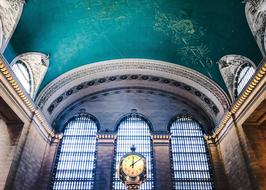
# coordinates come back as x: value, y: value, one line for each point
x: 228, y: 66
x: 160, y: 80
x: 161, y: 137
x: 258, y: 81
x: 144, y: 72
x: 38, y: 65
x: 256, y: 17
x: 24, y: 98
x: 10, y: 12
x: 106, y: 136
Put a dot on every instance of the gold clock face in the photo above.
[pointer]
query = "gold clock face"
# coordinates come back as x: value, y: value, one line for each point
x: 133, y: 165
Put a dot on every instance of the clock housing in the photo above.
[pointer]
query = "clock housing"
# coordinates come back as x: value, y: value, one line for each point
x: 132, y: 169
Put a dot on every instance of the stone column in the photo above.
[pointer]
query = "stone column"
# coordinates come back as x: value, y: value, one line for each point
x: 162, y: 162
x: 220, y: 180
x: 105, y: 159
x: 44, y: 180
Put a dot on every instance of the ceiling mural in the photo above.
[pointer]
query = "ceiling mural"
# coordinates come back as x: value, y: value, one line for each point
x: 187, y: 35
x: 191, y: 33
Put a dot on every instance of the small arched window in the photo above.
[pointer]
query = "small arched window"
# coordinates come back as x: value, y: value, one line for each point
x: 244, y: 73
x: 190, y: 159
x: 75, y: 160
x: 23, y: 74
x: 134, y: 130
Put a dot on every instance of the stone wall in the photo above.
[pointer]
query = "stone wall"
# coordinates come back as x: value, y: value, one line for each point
x: 234, y: 162
x: 104, y: 164
x: 23, y: 152
x: 28, y: 169
x: 24, y: 137
x: 159, y: 108
x: 220, y: 179
x: 256, y: 137
x: 7, y: 151
x: 45, y: 175
x: 162, y: 163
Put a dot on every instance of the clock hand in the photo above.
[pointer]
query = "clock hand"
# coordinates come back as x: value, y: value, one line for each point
x: 132, y: 165
x: 135, y: 162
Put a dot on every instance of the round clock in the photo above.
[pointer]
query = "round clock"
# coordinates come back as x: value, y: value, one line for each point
x: 133, y: 165
x: 132, y: 169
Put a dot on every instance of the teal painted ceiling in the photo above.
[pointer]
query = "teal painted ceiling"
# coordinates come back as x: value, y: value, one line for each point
x: 193, y: 33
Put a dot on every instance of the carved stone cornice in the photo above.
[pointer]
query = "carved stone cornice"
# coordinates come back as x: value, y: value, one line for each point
x: 101, y: 70
x: 161, y: 139
x: 258, y: 81
x: 24, y: 97
x: 106, y: 138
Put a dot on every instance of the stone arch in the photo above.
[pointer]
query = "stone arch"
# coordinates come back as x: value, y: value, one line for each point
x: 107, y: 75
x: 134, y: 114
x: 38, y: 64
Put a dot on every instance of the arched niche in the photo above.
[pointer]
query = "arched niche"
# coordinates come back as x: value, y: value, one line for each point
x: 229, y: 66
x: 37, y: 65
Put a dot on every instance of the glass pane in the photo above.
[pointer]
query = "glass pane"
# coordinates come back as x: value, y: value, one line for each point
x: 76, y: 158
x: 245, y: 74
x: 134, y: 131
x: 23, y: 75
x: 191, y: 167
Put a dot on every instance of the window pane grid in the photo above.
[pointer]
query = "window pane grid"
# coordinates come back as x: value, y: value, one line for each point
x: 244, y: 76
x: 190, y: 160
x: 22, y: 73
x: 75, y: 162
x: 134, y: 131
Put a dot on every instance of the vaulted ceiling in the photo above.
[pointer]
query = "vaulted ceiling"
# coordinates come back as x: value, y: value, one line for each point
x: 192, y: 33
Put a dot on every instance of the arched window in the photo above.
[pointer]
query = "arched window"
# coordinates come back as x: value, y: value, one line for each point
x: 134, y: 130
x: 243, y: 75
x: 190, y: 158
x: 75, y: 161
x: 23, y: 75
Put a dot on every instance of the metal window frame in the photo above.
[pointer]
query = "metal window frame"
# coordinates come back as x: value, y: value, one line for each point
x: 30, y: 75
x: 114, y: 168
x: 237, y: 75
x: 58, y: 151
x: 211, y: 173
